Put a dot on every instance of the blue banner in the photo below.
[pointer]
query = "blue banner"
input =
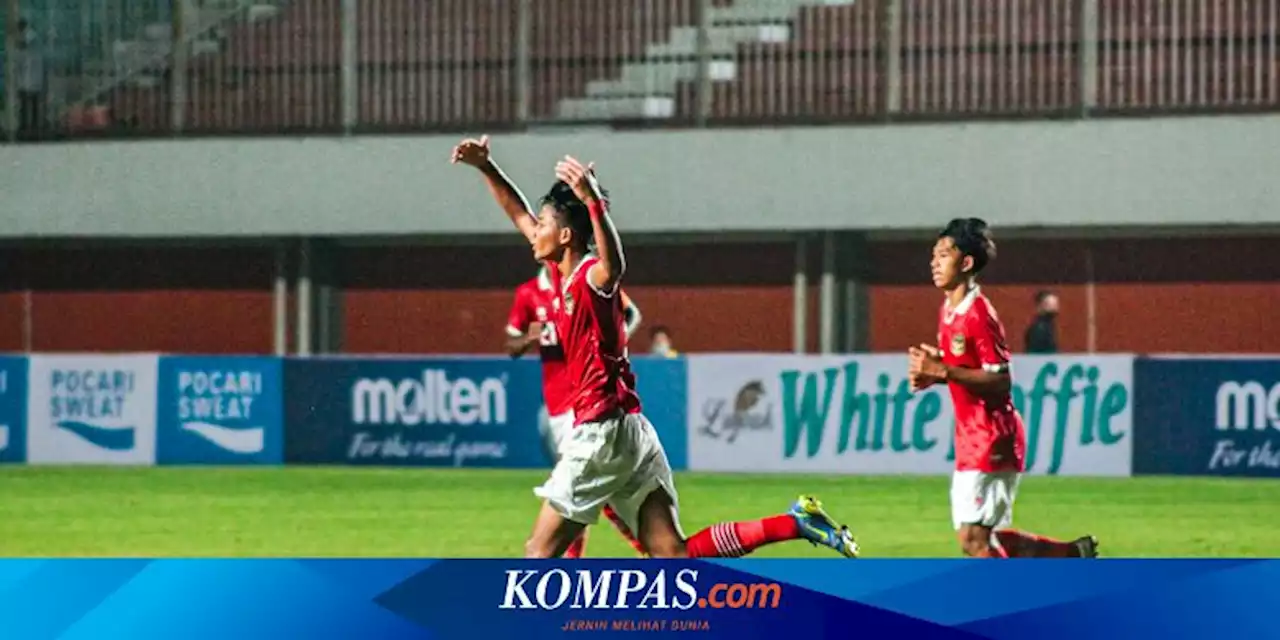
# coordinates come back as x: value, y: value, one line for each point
x: 407, y: 412
x: 219, y: 410
x: 13, y: 409
x: 1207, y: 417
x: 469, y: 599
x: 663, y: 387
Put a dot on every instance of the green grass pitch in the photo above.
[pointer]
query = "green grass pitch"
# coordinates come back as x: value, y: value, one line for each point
x: 346, y: 512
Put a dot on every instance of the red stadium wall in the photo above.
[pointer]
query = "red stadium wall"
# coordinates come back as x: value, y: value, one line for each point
x: 11, y: 319
x: 1210, y: 295
x: 191, y: 300
x: 428, y: 299
x: 1216, y: 295
x: 423, y: 300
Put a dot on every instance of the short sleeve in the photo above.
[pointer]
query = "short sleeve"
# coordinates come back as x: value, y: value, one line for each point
x: 989, y: 340
x: 603, y: 293
x: 521, y: 315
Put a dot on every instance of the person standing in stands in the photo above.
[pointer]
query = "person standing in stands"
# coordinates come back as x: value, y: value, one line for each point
x: 1042, y: 335
x: 31, y: 83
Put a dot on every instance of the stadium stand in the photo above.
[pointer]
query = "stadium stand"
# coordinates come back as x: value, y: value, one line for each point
x: 264, y: 67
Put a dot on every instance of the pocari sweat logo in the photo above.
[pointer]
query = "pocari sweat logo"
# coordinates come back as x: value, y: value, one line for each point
x: 219, y: 410
x: 13, y: 405
x: 91, y: 409
x: 432, y: 399
x: 218, y: 406
x: 90, y: 403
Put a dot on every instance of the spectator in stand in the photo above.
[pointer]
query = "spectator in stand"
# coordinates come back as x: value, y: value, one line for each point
x: 660, y: 342
x: 1042, y: 335
x: 30, y: 81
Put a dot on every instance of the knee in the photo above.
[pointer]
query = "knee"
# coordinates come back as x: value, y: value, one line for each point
x: 976, y: 548
x: 665, y: 544
x: 668, y: 549
x: 974, y: 542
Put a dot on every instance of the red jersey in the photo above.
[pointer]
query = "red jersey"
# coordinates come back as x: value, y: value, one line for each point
x: 536, y: 301
x: 989, y: 432
x: 595, y: 342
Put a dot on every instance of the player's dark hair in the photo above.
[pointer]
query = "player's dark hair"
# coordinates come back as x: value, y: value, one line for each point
x: 570, y: 212
x: 972, y: 238
x: 1042, y: 294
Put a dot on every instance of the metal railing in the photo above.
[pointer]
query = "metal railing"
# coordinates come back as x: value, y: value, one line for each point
x: 347, y: 66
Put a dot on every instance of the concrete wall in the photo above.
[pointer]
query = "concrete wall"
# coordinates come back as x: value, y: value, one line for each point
x: 1175, y: 171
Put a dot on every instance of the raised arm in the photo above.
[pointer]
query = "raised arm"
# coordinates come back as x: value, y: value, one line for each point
x: 476, y: 153
x: 608, y: 270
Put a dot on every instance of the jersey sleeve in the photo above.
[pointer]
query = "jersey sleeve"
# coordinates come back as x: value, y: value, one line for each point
x: 607, y: 292
x: 989, y: 340
x: 521, y: 315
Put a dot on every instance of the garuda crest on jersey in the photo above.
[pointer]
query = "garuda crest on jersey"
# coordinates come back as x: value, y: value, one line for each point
x: 568, y: 303
x: 957, y: 344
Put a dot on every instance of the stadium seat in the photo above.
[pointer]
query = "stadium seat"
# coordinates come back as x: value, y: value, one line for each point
x: 452, y: 63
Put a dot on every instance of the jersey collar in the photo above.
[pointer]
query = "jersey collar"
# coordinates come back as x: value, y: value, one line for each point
x: 964, y: 305
x: 544, y: 276
x: 578, y: 267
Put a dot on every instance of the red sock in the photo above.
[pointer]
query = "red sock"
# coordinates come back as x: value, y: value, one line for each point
x: 736, y: 539
x: 1021, y: 544
x: 578, y: 546
x: 624, y: 530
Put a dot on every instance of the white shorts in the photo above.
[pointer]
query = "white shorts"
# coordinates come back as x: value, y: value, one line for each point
x: 982, y: 498
x: 618, y: 462
x: 552, y: 430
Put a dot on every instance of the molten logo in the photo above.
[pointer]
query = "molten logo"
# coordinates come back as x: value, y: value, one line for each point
x: 435, y: 399
x: 1243, y: 406
x: 630, y: 588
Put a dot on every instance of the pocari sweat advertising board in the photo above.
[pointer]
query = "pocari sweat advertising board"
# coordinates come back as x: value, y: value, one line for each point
x: 91, y: 409
x: 220, y: 410
x: 13, y: 409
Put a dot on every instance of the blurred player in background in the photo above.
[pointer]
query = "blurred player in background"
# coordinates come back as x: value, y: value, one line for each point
x: 531, y: 323
x: 612, y: 455
x: 990, y: 442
